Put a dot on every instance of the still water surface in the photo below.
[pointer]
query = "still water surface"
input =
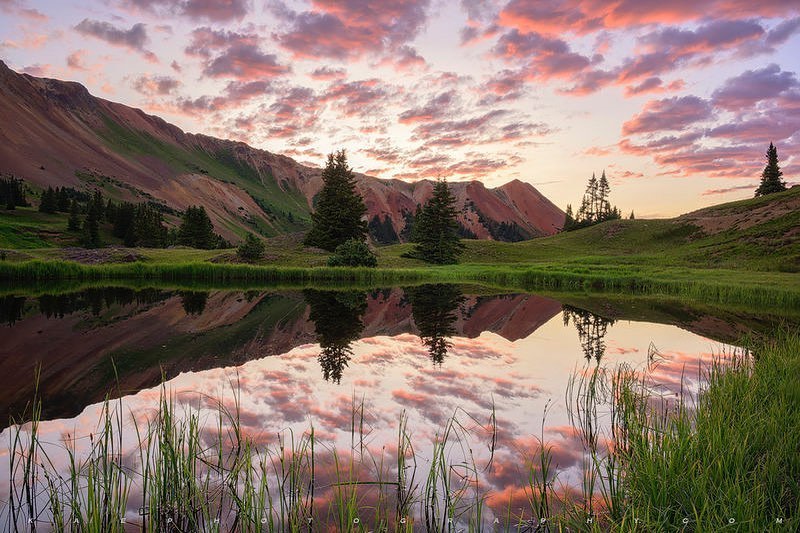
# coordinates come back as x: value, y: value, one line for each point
x: 312, y: 358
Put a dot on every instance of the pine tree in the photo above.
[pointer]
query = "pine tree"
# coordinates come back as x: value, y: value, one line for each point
x: 196, y: 229
x: 74, y: 222
x: 49, y: 201
x: 631, y: 217
x: 148, y: 227
x: 771, y: 176
x: 98, y: 204
x: 604, y: 211
x: 91, y: 227
x: 437, y: 228
x: 340, y: 208
x: 63, y: 199
x: 569, y: 219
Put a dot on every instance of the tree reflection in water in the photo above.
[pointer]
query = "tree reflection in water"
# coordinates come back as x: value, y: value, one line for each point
x: 434, y: 310
x: 591, y: 328
x: 337, y: 320
x: 194, y: 302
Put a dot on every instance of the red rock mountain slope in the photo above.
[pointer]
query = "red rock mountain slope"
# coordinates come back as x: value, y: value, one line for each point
x: 55, y: 133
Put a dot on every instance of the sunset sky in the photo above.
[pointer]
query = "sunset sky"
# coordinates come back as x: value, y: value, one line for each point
x: 676, y: 100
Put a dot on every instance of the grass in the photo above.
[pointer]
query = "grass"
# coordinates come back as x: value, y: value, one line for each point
x: 278, y: 202
x: 732, y: 458
x: 713, y: 286
x: 728, y: 460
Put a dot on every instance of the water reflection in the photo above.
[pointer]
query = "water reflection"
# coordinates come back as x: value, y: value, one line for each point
x: 434, y: 310
x: 592, y: 330
x: 514, y: 356
x: 337, y: 322
x: 11, y: 309
x: 194, y: 302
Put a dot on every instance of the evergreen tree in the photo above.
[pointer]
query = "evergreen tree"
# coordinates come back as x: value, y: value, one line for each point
x: 340, y: 208
x: 437, y: 228
x: 604, y: 211
x: 62, y: 199
x: 98, y: 204
x: 148, y: 227
x: 91, y: 227
x: 123, y: 221
x: 569, y: 219
x: 74, y: 223
x: 251, y: 249
x: 12, y: 193
x: 631, y: 217
x: 49, y: 201
x: 595, y: 207
x: 111, y: 211
x: 196, y: 229
x: 771, y: 176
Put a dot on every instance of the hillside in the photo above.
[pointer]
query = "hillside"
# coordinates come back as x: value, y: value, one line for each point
x: 754, y: 234
x: 54, y: 133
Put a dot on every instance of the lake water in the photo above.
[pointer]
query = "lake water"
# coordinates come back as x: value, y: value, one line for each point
x: 350, y: 364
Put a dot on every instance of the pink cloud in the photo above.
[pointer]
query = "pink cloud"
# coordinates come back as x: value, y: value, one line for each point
x: 238, y: 55
x: 213, y: 10
x: 155, y: 85
x: 134, y: 38
x: 343, y: 29
x: 676, y: 113
x: 581, y: 16
x: 753, y: 86
x: 437, y: 107
x: 727, y: 190
x: 76, y: 60
x: 329, y: 74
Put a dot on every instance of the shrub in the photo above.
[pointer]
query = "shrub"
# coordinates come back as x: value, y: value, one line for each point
x: 251, y: 249
x: 354, y: 253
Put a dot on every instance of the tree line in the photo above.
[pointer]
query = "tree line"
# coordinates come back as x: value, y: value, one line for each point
x: 338, y: 223
x: 595, y: 206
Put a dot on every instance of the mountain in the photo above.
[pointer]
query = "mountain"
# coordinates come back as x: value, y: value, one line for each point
x: 54, y: 133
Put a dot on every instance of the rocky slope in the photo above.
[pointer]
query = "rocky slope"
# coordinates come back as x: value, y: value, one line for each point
x: 55, y: 133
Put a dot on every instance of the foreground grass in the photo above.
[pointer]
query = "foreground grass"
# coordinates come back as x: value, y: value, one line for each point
x: 727, y: 461
x: 730, y: 461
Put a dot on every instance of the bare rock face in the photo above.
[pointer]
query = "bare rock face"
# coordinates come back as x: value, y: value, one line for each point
x: 55, y: 133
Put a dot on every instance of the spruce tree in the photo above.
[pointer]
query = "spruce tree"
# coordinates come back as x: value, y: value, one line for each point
x: 74, y: 222
x: 569, y: 219
x: 436, y: 228
x: 604, y: 211
x: 49, y: 201
x: 771, y: 176
x: 91, y: 227
x: 340, y: 208
x: 196, y: 229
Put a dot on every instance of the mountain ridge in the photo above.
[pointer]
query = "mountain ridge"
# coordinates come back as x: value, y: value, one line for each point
x: 62, y: 135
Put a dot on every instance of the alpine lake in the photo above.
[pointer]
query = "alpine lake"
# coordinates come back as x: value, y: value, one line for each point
x: 403, y: 408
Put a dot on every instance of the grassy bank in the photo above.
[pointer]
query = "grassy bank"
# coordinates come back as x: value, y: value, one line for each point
x: 730, y: 461
x: 727, y: 460
x: 718, y: 286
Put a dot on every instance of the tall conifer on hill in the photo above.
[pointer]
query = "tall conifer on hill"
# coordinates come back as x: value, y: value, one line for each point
x: 436, y: 228
x: 339, y: 212
x: 771, y: 176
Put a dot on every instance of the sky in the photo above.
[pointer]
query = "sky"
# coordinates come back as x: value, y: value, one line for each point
x: 676, y: 100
